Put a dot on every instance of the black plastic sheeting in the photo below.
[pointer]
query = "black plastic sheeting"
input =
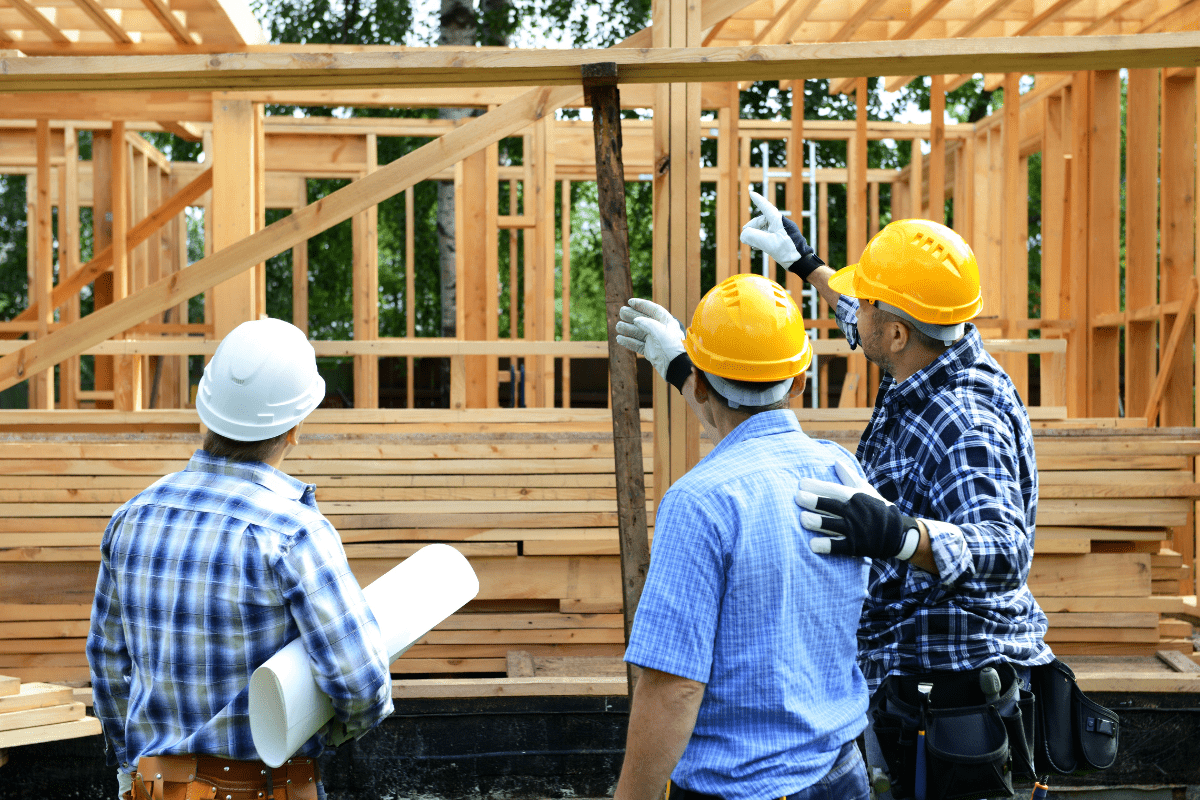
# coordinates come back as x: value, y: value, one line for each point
x: 560, y: 747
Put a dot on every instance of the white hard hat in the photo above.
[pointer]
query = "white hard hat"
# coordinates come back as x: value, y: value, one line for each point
x: 261, y: 382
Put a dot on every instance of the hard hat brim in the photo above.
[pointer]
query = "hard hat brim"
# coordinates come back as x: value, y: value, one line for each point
x: 842, y: 281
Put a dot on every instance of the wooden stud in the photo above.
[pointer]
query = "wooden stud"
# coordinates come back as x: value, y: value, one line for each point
x: 1178, y: 209
x: 472, y: 207
x: 1053, y: 215
x: 365, y: 238
x: 300, y: 279
x: 1104, y: 247
x: 856, y: 218
x: 796, y: 185
x: 1014, y: 249
x: 873, y: 208
x: 127, y: 378
x: 410, y: 299
x: 937, y: 148
x: 822, y: 305
x: 41, y: 386
x: 68, y: 254
x: 565, y: 206
x: 916, y: 182
x: 1075, y: 283
x: 491, y: 270
x: 233, y: 207
x: 259, y: 184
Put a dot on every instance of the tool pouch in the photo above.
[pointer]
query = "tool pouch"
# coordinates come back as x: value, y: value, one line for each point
x: 972, y: 747
x: 1074, y: 732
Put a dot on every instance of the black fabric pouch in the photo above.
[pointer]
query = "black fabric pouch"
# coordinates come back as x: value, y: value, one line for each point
x: 1074, y: 733
x: 966, y: 754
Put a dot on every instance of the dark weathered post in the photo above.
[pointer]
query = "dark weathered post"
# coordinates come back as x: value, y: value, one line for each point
x: 600, y: 86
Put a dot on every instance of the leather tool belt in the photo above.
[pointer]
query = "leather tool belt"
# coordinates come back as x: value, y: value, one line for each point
x: 212, y: 778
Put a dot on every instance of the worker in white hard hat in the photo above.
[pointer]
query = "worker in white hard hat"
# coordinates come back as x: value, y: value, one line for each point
x: 946, y: 513
x: 210, y: 572
x: 745, y: 637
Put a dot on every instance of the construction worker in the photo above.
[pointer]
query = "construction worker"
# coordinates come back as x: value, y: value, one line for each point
x: 209, y: 572
x: 947, y: 511
x: 745, y: 637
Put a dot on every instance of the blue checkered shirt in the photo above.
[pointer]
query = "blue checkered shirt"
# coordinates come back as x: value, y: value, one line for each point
x: 952, y: 445
x: 735, y: 599
x: 203, y: 577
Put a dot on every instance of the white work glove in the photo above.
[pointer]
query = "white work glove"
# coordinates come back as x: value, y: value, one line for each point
x: 856, y: 519
x: 649, y: 330
x: 780, y: 238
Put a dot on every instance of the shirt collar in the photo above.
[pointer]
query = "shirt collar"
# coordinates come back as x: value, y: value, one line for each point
x: 255, y: 472
x: 923, y: 384
x: 764, y: 423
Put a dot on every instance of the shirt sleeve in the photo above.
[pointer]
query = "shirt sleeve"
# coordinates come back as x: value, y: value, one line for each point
x: 339, y: 631
x: 675, y: 627
x: 108, y: 656
x: 980, y: 539
x: 847, y: 319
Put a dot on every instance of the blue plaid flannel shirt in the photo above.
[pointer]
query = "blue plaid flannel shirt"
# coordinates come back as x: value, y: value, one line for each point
x: 952, y: 445
x: 203, y: 577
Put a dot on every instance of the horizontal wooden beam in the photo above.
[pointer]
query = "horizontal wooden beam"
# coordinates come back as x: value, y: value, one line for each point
x: 512, y: 67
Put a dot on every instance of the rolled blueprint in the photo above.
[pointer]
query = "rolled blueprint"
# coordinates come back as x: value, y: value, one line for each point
x: 287, y: 707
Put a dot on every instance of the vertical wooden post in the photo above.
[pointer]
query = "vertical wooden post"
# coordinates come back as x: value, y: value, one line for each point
x: 1141, y: 233
x: 677, y: 229
x: 795, y: 184
x: 728, y: 199
x: 1053, y: 225
x: 872, y: 208
x: 102, y: 288
x: 937, y: 148
x: 410, y: 300
x: 233, y: 206
x: 1104, y: 243
x: 490, y: 234
x: 365, y: 238
x: 1075, y: 283
x: 259, y: 182
x: 1178, y: 243
x: 127, y: 377
x: 1014, y: 249
x: 822, y: 305
x: 300, y: 277
x: 41, y: 386
x: 622, y: 365
x: 68, y: 254
x: 565, y: 206
x: 856, y: 218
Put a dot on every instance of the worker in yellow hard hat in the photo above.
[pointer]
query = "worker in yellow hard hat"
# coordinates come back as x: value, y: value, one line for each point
x: 745, y: 637
x: 948, y: 506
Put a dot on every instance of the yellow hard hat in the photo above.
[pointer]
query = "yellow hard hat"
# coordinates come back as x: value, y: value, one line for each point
x: 748, y: 328
x: 920, y: 267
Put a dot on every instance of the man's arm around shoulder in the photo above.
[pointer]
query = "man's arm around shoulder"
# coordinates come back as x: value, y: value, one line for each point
x: 661, y: 718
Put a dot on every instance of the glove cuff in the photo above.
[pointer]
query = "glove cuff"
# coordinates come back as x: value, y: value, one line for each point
x: 805, y: 265
x: 910, y: 537
x: 678, y: 371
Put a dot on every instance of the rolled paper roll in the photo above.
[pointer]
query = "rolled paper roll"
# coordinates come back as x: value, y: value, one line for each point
x: 286, y: 705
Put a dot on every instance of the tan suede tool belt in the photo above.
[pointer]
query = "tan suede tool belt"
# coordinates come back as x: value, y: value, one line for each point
x: 212, y: 778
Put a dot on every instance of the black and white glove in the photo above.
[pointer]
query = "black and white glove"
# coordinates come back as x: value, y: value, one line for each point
x: 649, y: 330
x: 854, y: 519
x: 780, y: 238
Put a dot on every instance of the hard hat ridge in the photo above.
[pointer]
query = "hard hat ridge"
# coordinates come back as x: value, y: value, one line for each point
x: 748, y: 328
x: 260, y: 383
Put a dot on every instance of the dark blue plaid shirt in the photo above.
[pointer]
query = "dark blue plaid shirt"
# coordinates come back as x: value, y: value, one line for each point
x: 952, y: 445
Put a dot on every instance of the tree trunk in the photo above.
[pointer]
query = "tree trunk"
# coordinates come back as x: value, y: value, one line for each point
x: 457, y: 29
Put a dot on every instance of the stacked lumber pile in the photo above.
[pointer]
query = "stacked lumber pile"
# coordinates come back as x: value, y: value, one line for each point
x: 1116, y: 507
x: 40, y: 712
x: 529, y: 497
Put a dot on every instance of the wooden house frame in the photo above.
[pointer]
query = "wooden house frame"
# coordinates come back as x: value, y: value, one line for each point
x: 1095, y: 300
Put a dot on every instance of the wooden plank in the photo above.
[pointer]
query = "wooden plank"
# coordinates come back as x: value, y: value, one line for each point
x: 9, y: 686
x: 1169, y: 371
x: 1178, y: 662
x: 1157, y: 605
x: 35, y: 695
x: 1090, y: 575
x: 1177, y: 241
x: 1104, y: 278
x: 1141, y: 231
x: 88, y: 726
x: 523, y: 67
x: 509, y: 687
x: 38, y: 717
